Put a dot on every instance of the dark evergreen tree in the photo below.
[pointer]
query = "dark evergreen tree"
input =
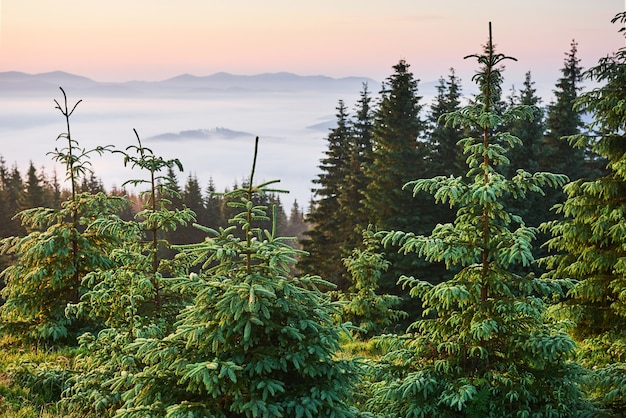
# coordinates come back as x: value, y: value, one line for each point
x: 399, y: 154
x: 447, y: 158
x: 192, y: 199
x: 213, y: 207
x: 34, y: 194
x: 591, y: 239
x: 12, y: 186
x: 536, y: 207
x: 91, y: 184
x: 483, y: 348
x: 297, y: 225
x: 563, y: 120
x: 355, y: 181
x: 325, y: 239
x: 531, y: 131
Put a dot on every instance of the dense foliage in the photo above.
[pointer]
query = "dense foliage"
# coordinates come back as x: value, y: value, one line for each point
x: 590, y: 239
x: 188, y: 302
x: 483, y: 347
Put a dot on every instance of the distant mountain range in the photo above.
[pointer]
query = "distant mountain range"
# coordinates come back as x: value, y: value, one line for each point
x: 14, y: 83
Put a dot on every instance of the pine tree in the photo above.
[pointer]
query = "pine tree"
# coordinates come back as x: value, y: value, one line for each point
x: 564, y: 120
x: 192, y: 199
x: 591, y: 239
x: 34, y: 194
x: 443, y: 138
x: 297, y: 225
x: 399, y: 154
x: 213, y: 207
x: 132, y: 298
x: 12, y: 187
x: 59, y: 250
x: 325, y: 239
x: 483, y: 347
x: 359, y: 157
x: 526, y: 157
x: 255, y: 342
x: 372, y: 313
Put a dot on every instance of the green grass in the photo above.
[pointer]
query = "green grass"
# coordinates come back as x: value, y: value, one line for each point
x: 30, y: 382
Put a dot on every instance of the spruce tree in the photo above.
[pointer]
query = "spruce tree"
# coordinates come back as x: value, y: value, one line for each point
x: 526, y: 157
x: 329, y: 224
x: 297, y: 225
x: 192, y: 199
x: 355, y: 181
x: 255, y: 342
x: 12, y: 187
x: 399, y: 154
x: 563, y: 120
x: 213, y: 207
x: 370, y: 312
x: 131, y: 299
x: 483, y: 347
x: 447, y: 157
x: 56, y: 254
x: 35, y: 193
x: 590, y: 240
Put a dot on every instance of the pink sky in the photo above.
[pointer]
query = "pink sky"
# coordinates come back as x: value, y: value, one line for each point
x: 120, y: 40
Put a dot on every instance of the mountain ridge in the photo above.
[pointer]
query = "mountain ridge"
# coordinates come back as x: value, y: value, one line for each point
x: 17, y: 82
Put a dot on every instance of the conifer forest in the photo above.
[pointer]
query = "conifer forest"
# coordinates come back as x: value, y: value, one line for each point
x: 459, y: 258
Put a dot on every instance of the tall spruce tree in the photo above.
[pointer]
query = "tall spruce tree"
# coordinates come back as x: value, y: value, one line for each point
x: 192, y: 199
x: 483, y: 347
x: 531, y: 131
x: 399, y: 154
x: 131, y: 299
x: 213, y: 207
x: 591, y: 239
x: 563, y: 120
x: 57, y: 253
x: 34, y: 194
x: 325, y: 239
x: 446, y: 156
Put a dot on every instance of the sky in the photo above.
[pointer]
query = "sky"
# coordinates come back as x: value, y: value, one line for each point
x: 122, y: 40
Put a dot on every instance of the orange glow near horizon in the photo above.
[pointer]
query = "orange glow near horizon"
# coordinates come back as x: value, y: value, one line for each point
x: 156, y: 39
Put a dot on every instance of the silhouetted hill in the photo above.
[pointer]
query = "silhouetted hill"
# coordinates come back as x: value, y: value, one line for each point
x: 13, y: 83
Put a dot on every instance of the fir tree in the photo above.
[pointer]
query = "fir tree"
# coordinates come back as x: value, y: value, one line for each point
x: 213, y: 207
x: 564, y: 120
x: 192, y: 199
x: 371, y: 312
x: 34, y: 194
x: 483, y: 347
x: 131, y: 299
x: 591, y: 239
x: 358, y: 159
x: 12, y: 187
x: 255, y: 342
x: 399, y: 154
x: 443, y: 138
x: 329, y: 224
x: 297, y: 224
x: 59, y: 250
